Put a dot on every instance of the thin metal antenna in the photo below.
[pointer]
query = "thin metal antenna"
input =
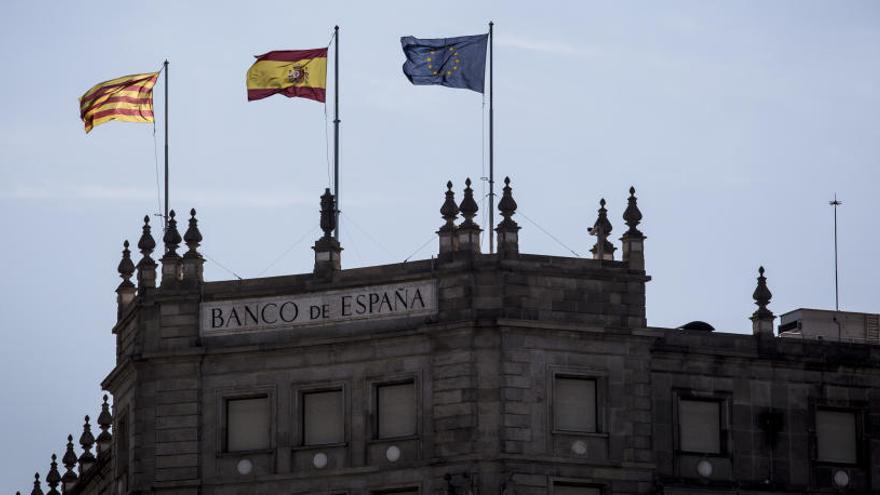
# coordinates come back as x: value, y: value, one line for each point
x: 835, y: 204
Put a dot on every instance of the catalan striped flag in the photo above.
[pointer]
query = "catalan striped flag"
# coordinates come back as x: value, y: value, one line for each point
x: 292, y: 73
x: 127, y: 98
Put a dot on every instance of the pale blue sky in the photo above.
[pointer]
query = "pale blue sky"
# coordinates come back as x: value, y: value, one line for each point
x: 735, y: 121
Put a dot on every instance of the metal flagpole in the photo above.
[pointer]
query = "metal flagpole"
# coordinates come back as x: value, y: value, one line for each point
x: 491, y: 146
x: 835, y: 204
x: 336, y: 130
x: 166, y: 144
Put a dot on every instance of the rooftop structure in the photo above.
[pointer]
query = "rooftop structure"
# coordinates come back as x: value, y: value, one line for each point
x: 467, y: 373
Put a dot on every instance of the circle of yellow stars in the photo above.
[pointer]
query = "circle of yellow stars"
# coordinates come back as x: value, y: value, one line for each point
x: 456, y: 62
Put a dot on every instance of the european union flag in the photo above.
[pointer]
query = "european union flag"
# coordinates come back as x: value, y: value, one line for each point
x: 453, y: 62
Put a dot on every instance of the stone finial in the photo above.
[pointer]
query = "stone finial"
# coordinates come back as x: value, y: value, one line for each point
x: 762, y: 318
x: 632, y: 215
x: 468, y: 231
x: 193, y: 237
x: 507, y: 229
x: 193, y: 263
x: 172, y: 236
x: 171, y: 260
x: 53, y: 477
x: 146, y: 267
x: 328, y: 252
x: 37, y: 490
x: 105, y: 420
x: 633, y: 240
x: 328, y: 213
x: 449, y: 212
x: 86, y: 440
x: 69, y: 460
x: 126, y: 290
x: 602, y: 250
x: 126, y: 266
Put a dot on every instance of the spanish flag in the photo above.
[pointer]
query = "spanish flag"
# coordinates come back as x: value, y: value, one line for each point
x: 127, y: 98
x: 292, y: 73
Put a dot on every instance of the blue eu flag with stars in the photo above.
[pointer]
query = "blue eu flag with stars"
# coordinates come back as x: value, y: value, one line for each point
x: 453, y: 62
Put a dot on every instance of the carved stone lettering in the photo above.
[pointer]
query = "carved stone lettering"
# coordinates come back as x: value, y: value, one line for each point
x: 280, y: 312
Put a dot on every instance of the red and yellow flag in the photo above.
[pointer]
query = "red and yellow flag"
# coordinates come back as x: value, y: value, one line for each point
x: 292, y: 73
x: 127, y: 98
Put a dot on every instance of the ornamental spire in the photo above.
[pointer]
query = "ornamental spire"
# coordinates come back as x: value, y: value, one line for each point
x: 125, y: 267
x: 192, y: 237
x: 633, y: 240
x: 172, y: 236
x: 193, y: 263
x: 146, y: 267
x: 86, y: 440
x: 762, y: 318
x: 468, y: 232
x: 328, y: 252
x: 508, y: 237
x: 105, y: 420
x: 449, y: 212
x: 126, y: 290
x: 69, y: 461
x: 602, y: 250
x: 171, y: 260
x: 53, y: 477
x: 632, y: 216
x: 37, y: 490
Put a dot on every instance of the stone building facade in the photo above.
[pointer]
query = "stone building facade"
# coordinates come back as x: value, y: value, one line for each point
x: 467, y: 373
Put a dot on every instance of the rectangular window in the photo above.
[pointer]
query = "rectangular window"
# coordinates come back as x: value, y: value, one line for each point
x: 699, y: 426
x: 574, y: 404
x: 396, y: 410
x: 121, y: 437
x: 571, y: 489
x: 248, y: 424
x: 323, y: 417
x: 836, y: 436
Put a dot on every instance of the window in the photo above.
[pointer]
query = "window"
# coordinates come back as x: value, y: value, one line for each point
x: 399, y: 491
x: 323, y: 417
x: 699, y: 426
x: 247, y: 424
x: 836, y: 436
x: 121, y: 436
x: 396, y: 410
x: 574, y: 404
x: 572, y: 489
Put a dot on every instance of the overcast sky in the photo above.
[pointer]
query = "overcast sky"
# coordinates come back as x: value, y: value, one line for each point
x: 736, y: 122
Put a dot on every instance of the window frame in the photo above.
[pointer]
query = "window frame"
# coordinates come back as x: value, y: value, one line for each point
x: 396, y: 489
x: 224, y: 420
x: 858, y: 419
x: 598, y: 400
x: 234, y: 393
x: 575, y: 482
x: 299, y: 416
x: 722, y: 399
x: 121, y: 443
x: 375, y: 418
